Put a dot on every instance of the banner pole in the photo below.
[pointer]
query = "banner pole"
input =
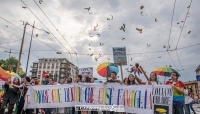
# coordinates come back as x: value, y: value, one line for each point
x: 121, y: 71
x: 107, y: 73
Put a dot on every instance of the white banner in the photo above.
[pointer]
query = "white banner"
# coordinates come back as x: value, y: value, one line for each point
x: 141, y: 99
x: 86, y: 72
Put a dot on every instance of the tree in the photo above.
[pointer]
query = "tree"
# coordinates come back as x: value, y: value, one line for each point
x: 11, y: 61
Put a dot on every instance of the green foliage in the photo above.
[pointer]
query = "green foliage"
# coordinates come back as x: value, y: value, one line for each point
x: 6, y: 63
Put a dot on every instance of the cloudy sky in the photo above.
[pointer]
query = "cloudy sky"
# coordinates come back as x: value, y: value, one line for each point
x: 74, y: 24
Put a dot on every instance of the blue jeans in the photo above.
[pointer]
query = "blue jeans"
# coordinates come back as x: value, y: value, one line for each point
x: 178, y: 109
x: 187, y: 108
x: 192, y: 108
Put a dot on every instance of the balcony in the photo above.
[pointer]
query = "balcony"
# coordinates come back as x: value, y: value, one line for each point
x: 63, y: 72
x: 33, y: 71
x: 64, y: 65
x: 34, y: 67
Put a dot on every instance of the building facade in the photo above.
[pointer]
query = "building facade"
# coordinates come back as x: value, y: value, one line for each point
x: 198, y: 79
x: 60, y: 68
x: 195, y: 85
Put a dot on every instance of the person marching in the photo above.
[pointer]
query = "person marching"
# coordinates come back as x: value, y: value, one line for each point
x: 11, y: 96
x: 178, y: 95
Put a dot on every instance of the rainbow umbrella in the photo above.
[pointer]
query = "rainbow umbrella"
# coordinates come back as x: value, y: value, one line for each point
x: 164, y: 71
x: 105, y: 68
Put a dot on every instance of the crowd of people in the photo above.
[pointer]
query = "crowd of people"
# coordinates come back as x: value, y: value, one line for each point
x: 15, y: 92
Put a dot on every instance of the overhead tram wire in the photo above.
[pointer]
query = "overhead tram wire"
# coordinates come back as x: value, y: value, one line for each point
x: 172, y: 60
x: 19, y: 50
x: 134, y: 53
x: 27, y: 33
x: 10, y: 41
x: 183, y: 24
x: 171, y: 23
x: 53, y: 25
x: 170, y: 34
x: 48, y: 29
x: 94, y: 54
x: 57, y: 30
x: 180, y: 37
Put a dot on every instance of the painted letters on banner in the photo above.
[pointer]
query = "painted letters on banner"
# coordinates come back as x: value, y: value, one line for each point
x: 162, y: 99
x: 140, y: 99
x: 86, y: 72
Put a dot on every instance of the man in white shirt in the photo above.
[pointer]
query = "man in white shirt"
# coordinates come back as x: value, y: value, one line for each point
x: 186, y: 105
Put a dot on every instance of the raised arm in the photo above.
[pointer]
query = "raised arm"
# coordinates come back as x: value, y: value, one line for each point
x: 18, y: 86
x: 144, y: 73
x: 139, y: 81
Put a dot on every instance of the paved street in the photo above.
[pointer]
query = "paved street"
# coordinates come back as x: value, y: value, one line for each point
x: 196, y: 108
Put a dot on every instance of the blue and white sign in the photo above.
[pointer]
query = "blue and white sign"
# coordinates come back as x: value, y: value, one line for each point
x: 119, y: 55
x: 198, y: 77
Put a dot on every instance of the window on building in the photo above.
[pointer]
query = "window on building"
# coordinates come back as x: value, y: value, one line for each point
x: 40, y: 67
x: 48, y: 67
x: 44, y: 67
x: 51, y: 72
x: 56, y: 72
x: 48, y: 63
x: 44, y: 64
x: 35, y: 65
x: 48, y: 72
x: 56, y: 67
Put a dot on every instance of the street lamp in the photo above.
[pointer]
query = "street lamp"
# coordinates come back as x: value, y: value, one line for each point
x: 31, y: 43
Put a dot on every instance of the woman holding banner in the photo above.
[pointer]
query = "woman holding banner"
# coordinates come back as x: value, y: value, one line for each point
x: 131, y: 80
x: 24, y: 87
x: 11, y: 96
x: 152, y: 80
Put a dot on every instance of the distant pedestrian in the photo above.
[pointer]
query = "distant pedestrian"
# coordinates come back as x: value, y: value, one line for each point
x: 186, y: 105
x: 191, y: 95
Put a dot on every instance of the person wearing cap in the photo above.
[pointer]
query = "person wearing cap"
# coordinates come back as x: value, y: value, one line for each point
x: 178, y: 95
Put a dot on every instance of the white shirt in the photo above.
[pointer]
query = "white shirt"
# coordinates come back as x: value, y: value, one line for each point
x: 186, y: 96
x: 154, y: 83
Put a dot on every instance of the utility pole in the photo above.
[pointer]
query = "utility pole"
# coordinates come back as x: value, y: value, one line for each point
x: 29, y: 48
x: 20, y: 53
x: 9, y: 53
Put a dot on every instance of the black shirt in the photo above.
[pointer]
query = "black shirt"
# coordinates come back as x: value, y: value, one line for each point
x: 113, y: 81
